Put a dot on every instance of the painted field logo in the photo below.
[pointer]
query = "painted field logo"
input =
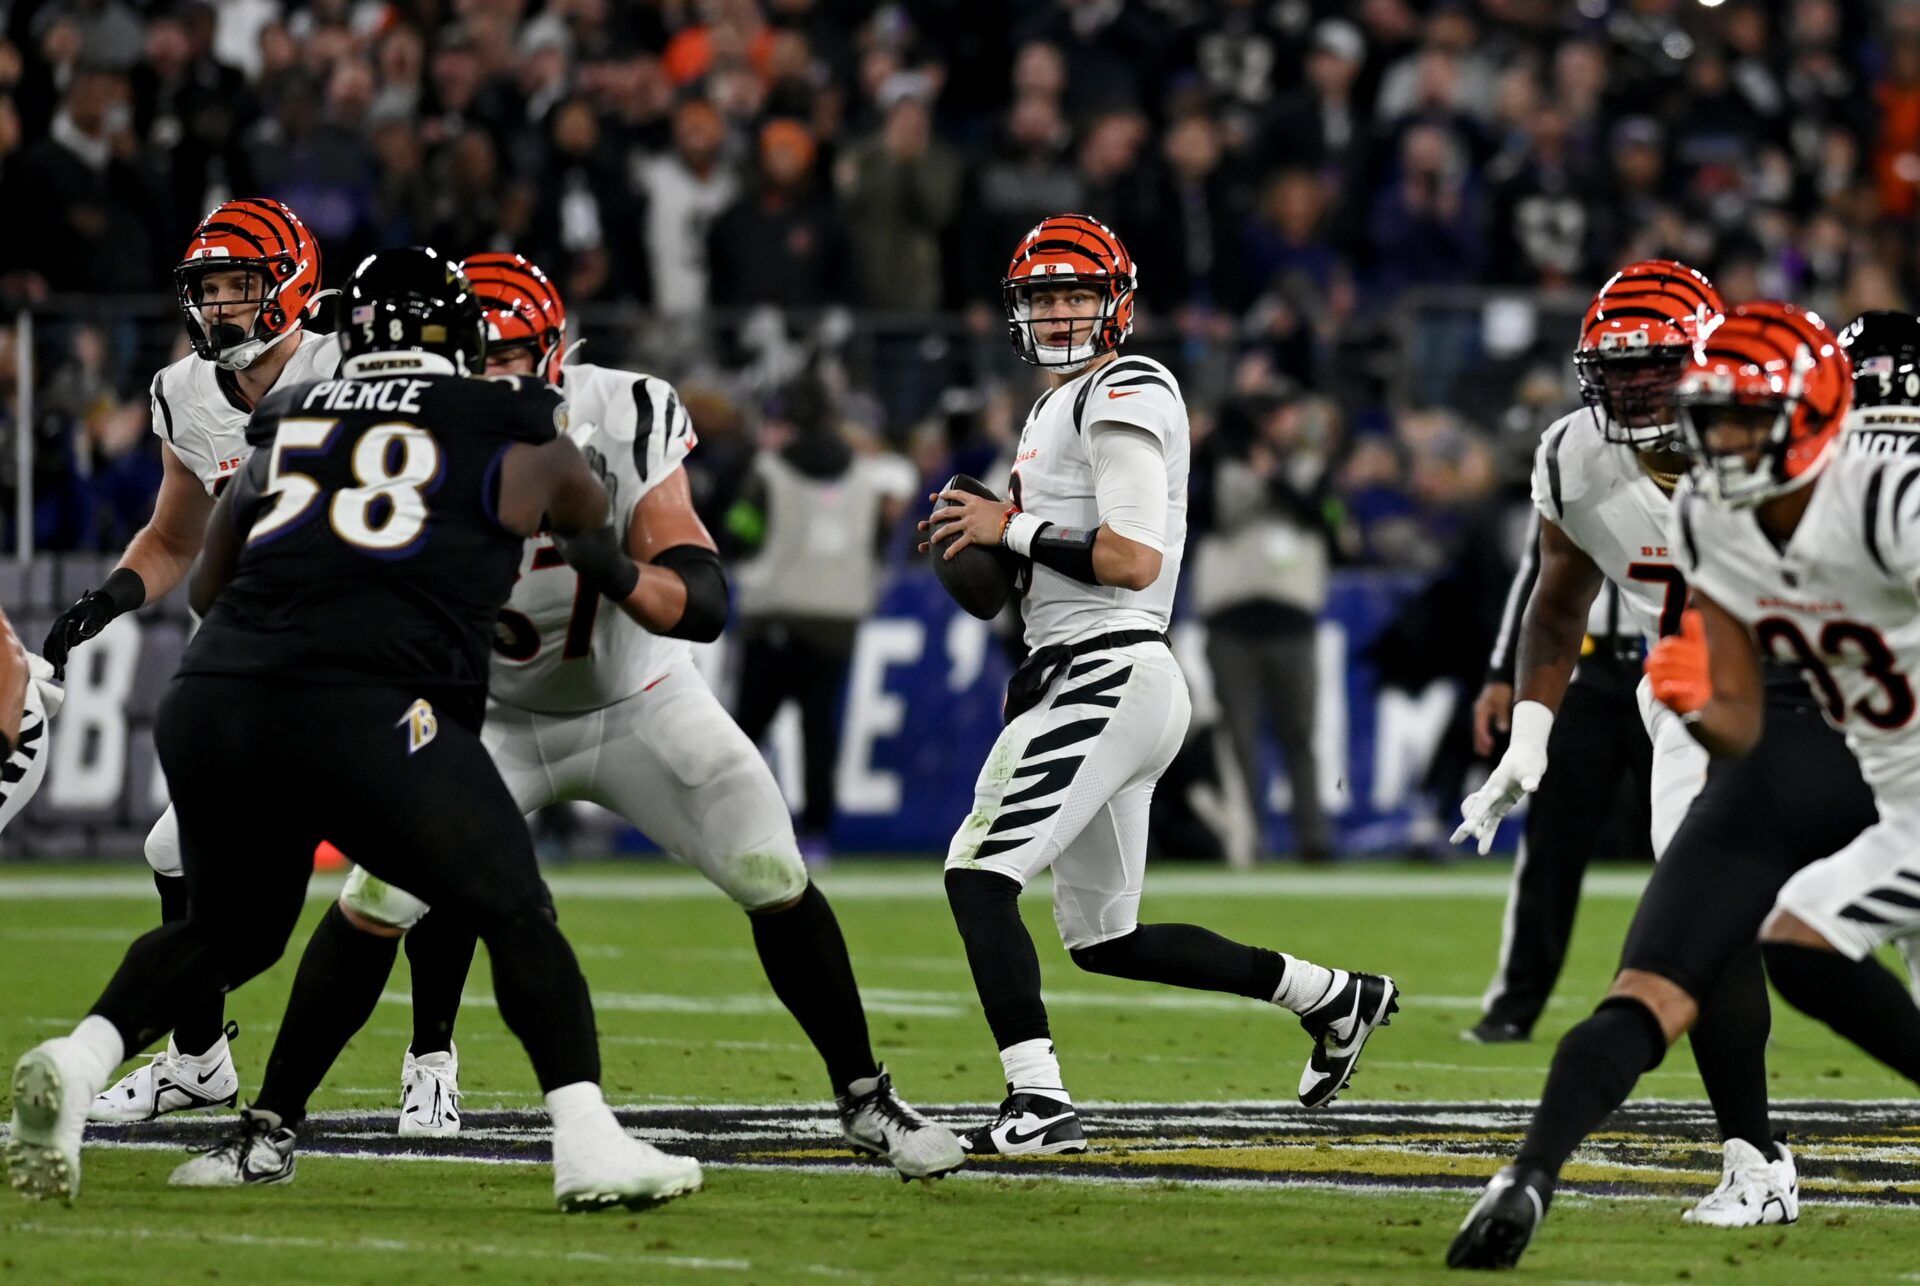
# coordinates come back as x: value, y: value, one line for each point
x: 1860, y: 1152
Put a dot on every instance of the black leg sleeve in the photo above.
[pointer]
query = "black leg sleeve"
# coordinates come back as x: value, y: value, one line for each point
x: 1730, y: 1046
x: 1859, y: 999
x: 334, y: 993
x: 440, y: 953
x: 1594, y: 1070
x: 1006, y: 969
x: 1186, y: 955
x: 202, y: 1018
x: 805, y: 957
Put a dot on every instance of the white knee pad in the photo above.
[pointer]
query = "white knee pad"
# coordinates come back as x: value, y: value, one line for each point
x: 163, y: 845
x: 381, y: 902
x: 762, y: 877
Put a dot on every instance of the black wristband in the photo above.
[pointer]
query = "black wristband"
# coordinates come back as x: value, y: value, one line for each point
x: 706, y: 612
x: 601, y: 562
x: 125, y: 589
x: 1067, y: 550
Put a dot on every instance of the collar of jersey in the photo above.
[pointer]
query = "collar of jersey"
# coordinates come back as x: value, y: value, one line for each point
x: 386, y: 364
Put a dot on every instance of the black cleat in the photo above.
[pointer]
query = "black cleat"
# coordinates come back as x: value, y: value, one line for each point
x: 1496, y: 1231
x: 1028, y: 1125
x: 1496, y: 1031
x: 1340, y: 1028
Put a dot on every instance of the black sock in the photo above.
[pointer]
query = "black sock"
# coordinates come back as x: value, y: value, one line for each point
x: 334, y: 993
x: 1594, y: 1070
x: 1860, y: 999
x: 1006, y: 969
x: 1186, y: 955
x: 806, y: 961
x: 440, y: 952
x: 203, y: 1018
x: 1730, y: 1047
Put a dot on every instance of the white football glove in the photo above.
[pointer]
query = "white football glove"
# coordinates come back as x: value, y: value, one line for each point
x: 1517, y: 774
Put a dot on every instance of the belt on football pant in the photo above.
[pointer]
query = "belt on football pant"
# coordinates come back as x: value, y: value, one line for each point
x: 1037, y: 673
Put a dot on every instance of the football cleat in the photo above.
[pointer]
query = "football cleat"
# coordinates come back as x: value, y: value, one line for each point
x: 878, y: 1124
x: 430, y: 1095
x: 1029, y: 1124
x: 1752, y: 1191
x: 1496, y: 1031
x: 1340, y: 1027
x: 1496, y: 1231
x: 597, y: 1165
x: 51, y: 1088
x: 258, y: 1151
x: 172, y: 1082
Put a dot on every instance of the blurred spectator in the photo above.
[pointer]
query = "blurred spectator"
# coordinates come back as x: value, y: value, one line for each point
x: 77, y: 205
x: 1113, y: 190
x: 1193, y: 232
x: 190, y: 110
x: 782, y: 243
x: 1319, y: 124
x: 1541, y: 202
x: 901, y: 191
x: 1260, y: 582
x: 1025, y: 182
x: 1426, y: 225
x: 584, y: 222
x: 813, y: 521
x: 1112, y: 51
x: 686, y: 189
x: 110, y: 33
x: 1293, y: 278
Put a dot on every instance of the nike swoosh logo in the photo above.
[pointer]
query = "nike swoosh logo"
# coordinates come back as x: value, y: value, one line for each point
x: 1015, y: 1138
x: 209, y: 1076
x: 1118, y: 393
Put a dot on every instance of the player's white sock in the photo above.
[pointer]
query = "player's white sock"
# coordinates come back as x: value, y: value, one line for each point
x: 100, y: 1041
x: 577, y: 1104
x: 1305, y: 985
x: 1031, y: 1065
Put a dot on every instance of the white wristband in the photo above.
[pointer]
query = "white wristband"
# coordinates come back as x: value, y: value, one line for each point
x: 1532, y: 724
x: 1019, y: 533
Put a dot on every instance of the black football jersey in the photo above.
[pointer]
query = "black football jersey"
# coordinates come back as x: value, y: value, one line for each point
x: 374, y: 552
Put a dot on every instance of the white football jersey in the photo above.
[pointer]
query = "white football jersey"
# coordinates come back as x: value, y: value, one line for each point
x: 559, y: 647
x: 206, y: 427
x: 1596, y: 492
x: 1841, y: 603
x: 1053, y: 480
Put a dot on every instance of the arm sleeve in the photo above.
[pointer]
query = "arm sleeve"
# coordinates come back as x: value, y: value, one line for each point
x: 1506, y: 645
x: 1130, y: 481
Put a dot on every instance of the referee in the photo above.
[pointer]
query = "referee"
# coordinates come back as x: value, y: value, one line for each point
x: 1597, y: 741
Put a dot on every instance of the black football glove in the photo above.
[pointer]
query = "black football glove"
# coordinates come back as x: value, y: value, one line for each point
x: 601, y: 562
x: 92, y: 612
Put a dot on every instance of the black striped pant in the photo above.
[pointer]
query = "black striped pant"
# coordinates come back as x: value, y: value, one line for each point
x: 1069, y: 783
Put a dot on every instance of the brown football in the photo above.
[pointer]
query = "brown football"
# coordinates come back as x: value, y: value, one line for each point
x: 977, y: 578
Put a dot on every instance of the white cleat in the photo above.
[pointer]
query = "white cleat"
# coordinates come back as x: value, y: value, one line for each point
x: 259, y: 1151
x: 1340, y: 1027
x: 173, y: 1082
x: 1753, y: 1190
x: 430, y: 1095
x: 597, y: 1165
x: 51, y: 1089
x: 879, y: 1124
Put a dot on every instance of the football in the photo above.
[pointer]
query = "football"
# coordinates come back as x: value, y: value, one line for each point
x: 979, y: 579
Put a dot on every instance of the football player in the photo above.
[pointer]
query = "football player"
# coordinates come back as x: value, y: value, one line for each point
x: 29, y: 698
x: 350, y: 583
x: 601, y: 701
x: 1686, y: 965
x: 1801, y: 549
x: 1096, y: 526
x: 247, y: 286
x: 1884, y: 348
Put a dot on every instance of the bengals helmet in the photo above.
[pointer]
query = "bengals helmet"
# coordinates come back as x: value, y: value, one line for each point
x: 1762, y: 402
x: 1637, y: 334
x: 267, y: 241
x: 1069, y: 250
x: 523, y: 309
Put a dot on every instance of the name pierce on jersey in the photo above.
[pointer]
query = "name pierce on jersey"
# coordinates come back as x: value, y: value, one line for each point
x: 364, y: 394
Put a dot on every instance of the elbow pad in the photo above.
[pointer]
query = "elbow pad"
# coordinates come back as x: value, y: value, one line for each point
x: 706, y: 611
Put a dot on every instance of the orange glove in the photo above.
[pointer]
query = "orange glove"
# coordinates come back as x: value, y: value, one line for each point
x: 1678, y: 666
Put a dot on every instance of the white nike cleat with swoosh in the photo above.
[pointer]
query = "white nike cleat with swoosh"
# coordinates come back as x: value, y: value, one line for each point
x: 1029, y: 1124
x: 259, y: 1151
x: 173, y: 1082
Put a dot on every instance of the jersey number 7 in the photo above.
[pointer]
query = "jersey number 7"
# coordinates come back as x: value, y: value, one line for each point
x: 517, y: 638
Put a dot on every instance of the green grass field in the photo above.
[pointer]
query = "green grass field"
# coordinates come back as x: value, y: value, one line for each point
x: 1178, y: 1187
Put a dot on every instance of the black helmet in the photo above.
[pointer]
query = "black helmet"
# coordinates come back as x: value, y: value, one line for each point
x: 412, y: 300
x: 1884, y: 347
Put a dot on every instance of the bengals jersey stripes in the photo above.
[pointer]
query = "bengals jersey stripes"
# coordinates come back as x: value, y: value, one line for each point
x: 198, y: 410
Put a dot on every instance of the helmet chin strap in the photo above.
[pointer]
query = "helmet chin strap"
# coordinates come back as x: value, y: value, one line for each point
x: 239, y: 356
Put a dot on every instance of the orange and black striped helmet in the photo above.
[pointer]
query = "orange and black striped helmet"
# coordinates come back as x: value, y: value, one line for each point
x: 522, y: 307
x: 1070, y: 250
x: 266, y: 240
x: 1636, y: 336
x: 1779, y: 372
